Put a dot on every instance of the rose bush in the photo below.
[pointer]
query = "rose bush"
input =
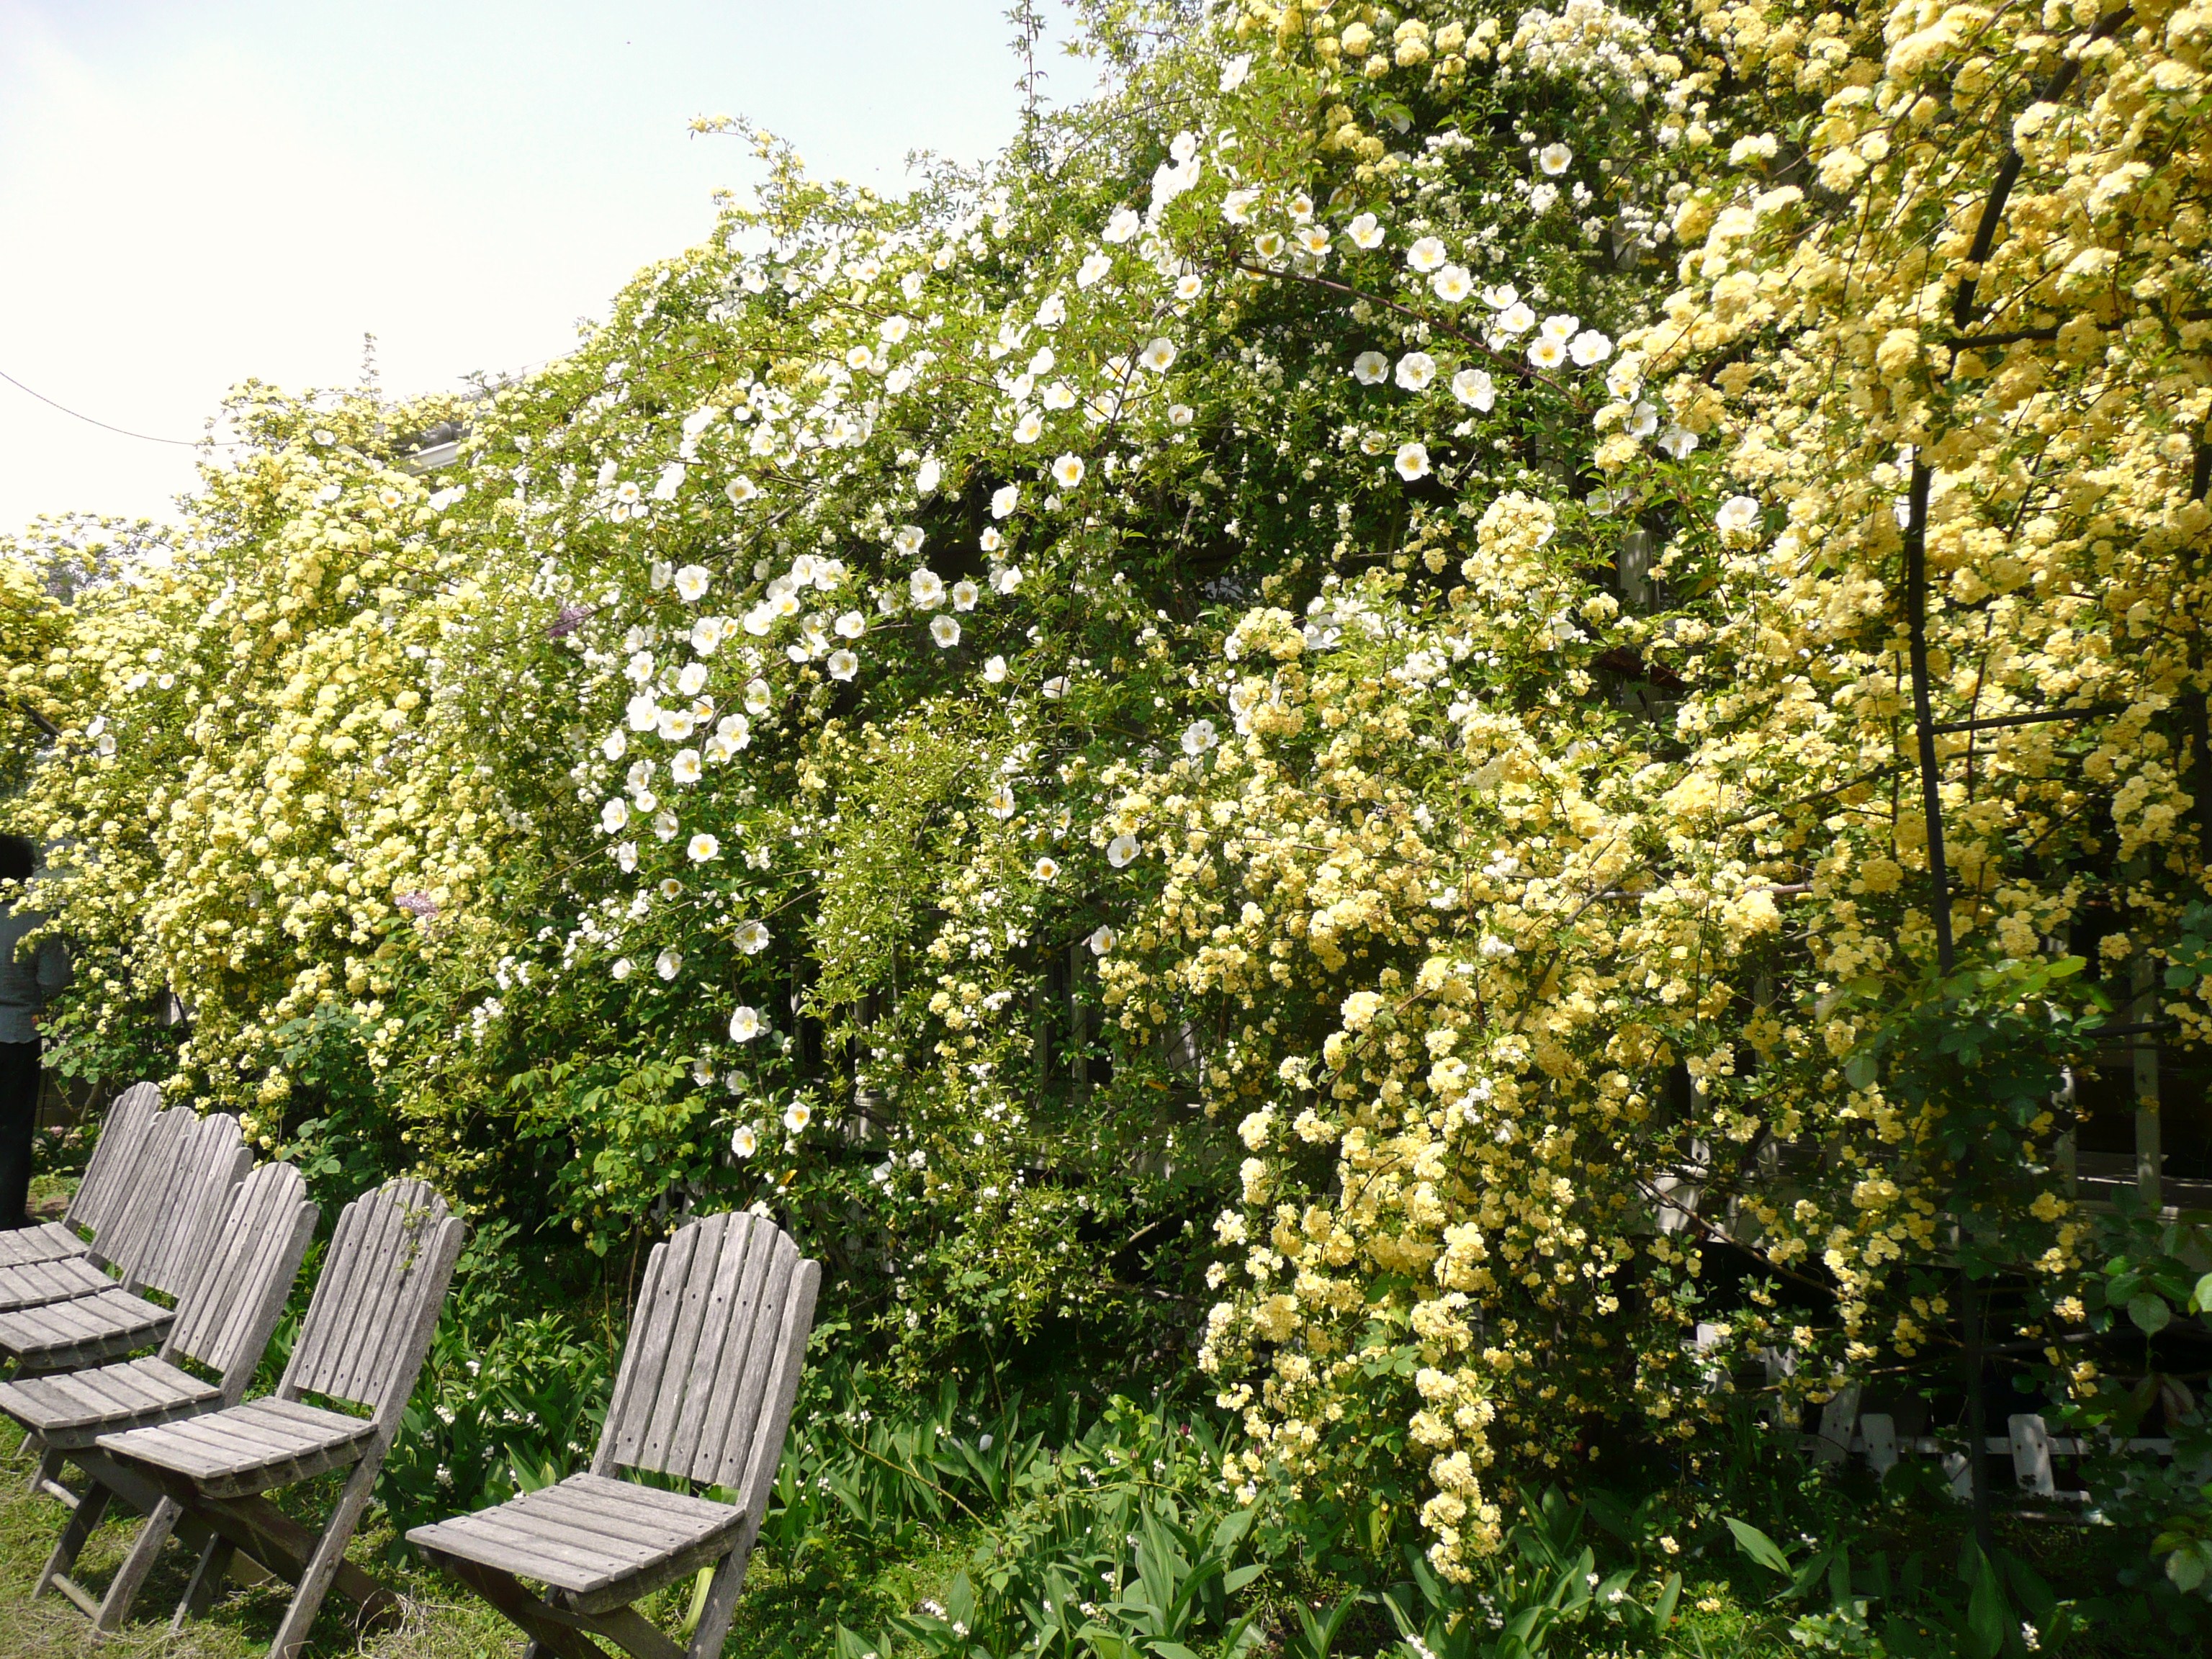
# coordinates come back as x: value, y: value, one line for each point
x: 1307, y: 701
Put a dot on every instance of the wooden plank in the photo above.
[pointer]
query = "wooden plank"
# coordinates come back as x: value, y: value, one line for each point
x: 753, y: 1361
x: 710, y: 1390
x: 47, y: 1242
x: 69, y: 1335
x: 34, y: 1283
x: 418, y: 1292
x: 335, y: 1302
x: 182, y: 1239
x: 737, y: 1252
x: 710, y: 1236
x: 255, y: 1257
x: 121, y: 1244
x: 766, y: 1452
x: 115, y: 1156
x: 630, y: 1373
x: 359, y: 1362
x: 642, y: 1363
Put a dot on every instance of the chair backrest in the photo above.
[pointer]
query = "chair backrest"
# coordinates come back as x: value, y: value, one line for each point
x: 144, y: 1189
x: 168, y: 1233
x: 225, y: 1319
x: 712, y: 1362
x: 376, y: 1305
x: 115, y: 1157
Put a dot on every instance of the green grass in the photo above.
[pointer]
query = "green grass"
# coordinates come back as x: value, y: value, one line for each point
x: 792, y: 1615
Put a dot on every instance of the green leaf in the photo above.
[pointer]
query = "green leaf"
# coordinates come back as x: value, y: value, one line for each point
x: 2200, y: 1299
x: 2186, y: 1569
x: 2149, y: 1313
x: 1662, y: 1610
x: 1758, y: 1547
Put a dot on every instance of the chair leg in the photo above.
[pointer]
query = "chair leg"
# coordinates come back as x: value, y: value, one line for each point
x: 721, y: 1606
x: 115, y: 1605
x: 524, y: 1611
x: 48, y: 1466
x: 89, y: 1509
x: 207, y: 1580
x: 322, y: 1566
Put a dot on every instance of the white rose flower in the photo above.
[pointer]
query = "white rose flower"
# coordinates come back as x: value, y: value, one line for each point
x: 1416, y: 370
x: 1029, y: 428
x: 750, y: 936
x: 1738, y: 514
x: 643, y: 711
x: 684, y: 768
x: 797, y: 1116
x: 1589, y: 348
x: 691, y: 583
x: 615, y: 744
x: 623, y: 968
x: 1555, y: 159
x: 1047, y: 869
x: 745, y: 1143
x: 1121, y: 850
x: 1547, y: 351
x: 946, y: 632
x: 1180, y: 414
x: 999, y: 803
x: 925, y: 588
x: 1371, y: 368
x: 1102, y: 940
x: 614, y: 816
x: 851, y: 625
x: 1004, y: 500
x: 1517, y: 318
x: 842, y: 664
x: 965, y: 595
x: 1366, y: 231
x: 741, y: 490
x: 995, y: 669
x: 744, y: 1024
x: 668, y: 964
x: 1412, y: 461
x: 1067, y: 471
x: 1473, y: 387
x: 703, y: 848
x: 1123, y: 225
x: 1452, y: 284
x: 1199, y: 737
x: 1427, y: 254
x: 1094, y: 265
x: 1159, y: 356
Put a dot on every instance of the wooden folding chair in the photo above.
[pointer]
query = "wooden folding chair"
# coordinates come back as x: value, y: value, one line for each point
x: 223, y: 1324
x: 362, y: 1345
x: 705, y: 1395
x: 161, y: 1239
x: 106, y: 1184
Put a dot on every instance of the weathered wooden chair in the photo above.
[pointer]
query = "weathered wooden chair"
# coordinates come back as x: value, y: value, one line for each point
x: 105, y: 1188
x: 223, y: 1324
x: 704, y: 1395
x: 362, y: 1344
x: 160, y: 1241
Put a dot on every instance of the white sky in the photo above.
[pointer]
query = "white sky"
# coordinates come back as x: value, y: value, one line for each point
x: 192, y: 194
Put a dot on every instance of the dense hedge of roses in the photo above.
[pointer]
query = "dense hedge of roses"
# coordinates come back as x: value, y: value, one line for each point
x: 1309, y: 696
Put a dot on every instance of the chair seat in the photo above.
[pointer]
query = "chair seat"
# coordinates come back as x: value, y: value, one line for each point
x: 47, y: 1242
x: 67, y: 1336
x: 597, y: 1542
x: 246, y: 1449
x: 72, y: 1409
x: 34, y: 1284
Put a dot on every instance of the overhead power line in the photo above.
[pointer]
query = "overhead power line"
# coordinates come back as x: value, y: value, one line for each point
x: 145, y: 437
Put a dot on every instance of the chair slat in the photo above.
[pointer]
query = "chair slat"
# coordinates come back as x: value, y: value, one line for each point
x: 638, y: 1383
x: 213, y: 1159
x: 362, y: 1341
x: 748, y: 1252
x: 758, y: 1461
x: 753, y: 1368
x: 224, y: 1320
x: 707, y: 1288
x: 114, y: 1157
